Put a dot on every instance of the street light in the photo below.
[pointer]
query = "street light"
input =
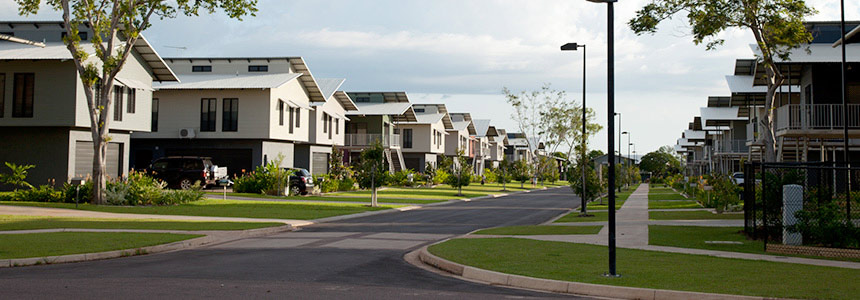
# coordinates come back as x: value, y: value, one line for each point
x: 626, y: 161
x: 610, y: 103
x: 845, y: 113
x: 573, y: 47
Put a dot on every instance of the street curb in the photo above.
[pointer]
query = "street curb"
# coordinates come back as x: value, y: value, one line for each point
x: 567, y: 287
x: 174, y: 246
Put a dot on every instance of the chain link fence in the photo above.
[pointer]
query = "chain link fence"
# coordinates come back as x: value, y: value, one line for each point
x: 803, y: 204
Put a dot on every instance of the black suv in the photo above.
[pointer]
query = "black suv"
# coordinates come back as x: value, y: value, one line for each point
x: 184, y: 171
x: 301, y: 181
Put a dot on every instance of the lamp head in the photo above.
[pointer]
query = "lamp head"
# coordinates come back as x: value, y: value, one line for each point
x: 570, y: 47
x: 625, y: 132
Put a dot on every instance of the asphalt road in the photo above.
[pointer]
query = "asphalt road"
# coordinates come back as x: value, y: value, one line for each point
x: 358, y: 258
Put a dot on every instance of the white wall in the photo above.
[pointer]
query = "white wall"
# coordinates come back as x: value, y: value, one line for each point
x: 271, y: 150
x: 295, y: 92
x: 178, y: 109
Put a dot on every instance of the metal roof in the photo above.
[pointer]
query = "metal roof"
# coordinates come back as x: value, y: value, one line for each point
x: 719, y: 101
x: 58, y: 51
x: 345, y: 101
x: 227, y: 81
x: 328, y: 86
x: 441, y: 109
x: 482, y: 127
x: 717, y: 118
x: 400, y: 111
x: 848, y: 36
x: 693, y: 135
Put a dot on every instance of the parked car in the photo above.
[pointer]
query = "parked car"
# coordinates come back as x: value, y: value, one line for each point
x: 184, y: 171
x: 738, y: 178
x: 301, y: 181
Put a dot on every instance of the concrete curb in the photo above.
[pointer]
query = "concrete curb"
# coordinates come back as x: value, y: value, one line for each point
x: 567, y: 287
x: 179, y: 245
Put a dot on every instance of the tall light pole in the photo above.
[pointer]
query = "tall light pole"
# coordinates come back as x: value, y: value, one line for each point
x: 846, y: 155
x: 621, y: 153
x: 573, y: 47
x: 610, y: 103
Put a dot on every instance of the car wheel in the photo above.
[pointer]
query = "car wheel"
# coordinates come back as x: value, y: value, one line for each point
x: 185, y: 183
x: 295, y: 191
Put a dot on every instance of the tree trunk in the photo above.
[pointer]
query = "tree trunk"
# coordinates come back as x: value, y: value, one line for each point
x: 768, y: 136
x: 99, y: 170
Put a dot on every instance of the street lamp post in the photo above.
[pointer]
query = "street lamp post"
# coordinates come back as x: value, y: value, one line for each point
x: 846, y: 155
x: 573, y: 47
x: 610, y: 103
x: 621, y: 153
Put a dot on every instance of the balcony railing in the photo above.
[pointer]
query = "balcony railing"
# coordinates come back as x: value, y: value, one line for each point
x: 816, y: 117
x: 367, y: 139
x: 732, y: 146
x: 751, y: 132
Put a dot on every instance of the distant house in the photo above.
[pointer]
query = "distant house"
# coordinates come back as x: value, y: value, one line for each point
x: 327, y: 127
x: 486, y: 139
x: 44, y: 119
x: 241, y: 111
x: 519, y: 148
x: 497, y: 147
x: 461, y: 137
x: 374, y: 122
x: 423, y: 141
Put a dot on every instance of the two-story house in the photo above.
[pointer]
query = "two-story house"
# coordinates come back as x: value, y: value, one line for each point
x: 486, y: 134
x: 327, y: 127
x: 44, y: 119
x: 374, y: 122
x: 497, y: 147
x: 241, y: 111
x: 460, y: 138
x: 518, y: 148
x: 423, y: 141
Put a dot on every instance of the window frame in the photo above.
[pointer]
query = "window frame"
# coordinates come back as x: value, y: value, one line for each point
x: 208, y: 114
x: 23, y: 95
x: 154, y: 118
x: 201, y: 69
x: 407, y: 138
x: 131, y: 101
x: 258, y: 68
x: 298, y: 117
x: 230, y: 118
x: 291, y: 119
x: 118, y: 92
x: 281, y: 105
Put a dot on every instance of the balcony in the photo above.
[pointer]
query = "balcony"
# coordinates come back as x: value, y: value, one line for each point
x: 732, y: 147
x: 818, y: 119
x: 367, y: 139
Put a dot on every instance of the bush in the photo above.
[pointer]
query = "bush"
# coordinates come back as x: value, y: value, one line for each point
x: 403, y: 178
x: 826, y: 225
x: 84, y: 193
x: 44, y: 193
x: 174, y: 197
x: 440, y: 176
x: 490, y: 175
x: 269, y: 179
x: 346, y: 184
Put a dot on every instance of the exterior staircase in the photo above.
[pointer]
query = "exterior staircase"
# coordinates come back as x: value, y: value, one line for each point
x: 395, y: 160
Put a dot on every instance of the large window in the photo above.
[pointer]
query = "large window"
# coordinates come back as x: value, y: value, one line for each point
x: 208, y: 108
x: 132, y: 100
x: 154, y: 115
x: 298, y: 117
x: 281, y: 112
x: 2, y: 94
x: 407, y: 138
x: 22, y: 97
x: 325, y: 122
x: 329, y: 126
x: 230, y: 120
x: 117, y: 103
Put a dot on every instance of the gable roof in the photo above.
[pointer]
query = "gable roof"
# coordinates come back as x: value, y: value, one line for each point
x: 463, y: 121
x: 58, y: 51
x: 227, y: 81
x: 345, y: 101
x: 328, y: 86
x: 441, y: 111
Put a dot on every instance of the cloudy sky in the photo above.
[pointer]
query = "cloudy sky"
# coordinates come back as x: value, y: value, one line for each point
x: 462, y: 53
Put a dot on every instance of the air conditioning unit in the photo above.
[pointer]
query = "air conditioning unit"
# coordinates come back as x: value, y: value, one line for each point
x: 186, y: 133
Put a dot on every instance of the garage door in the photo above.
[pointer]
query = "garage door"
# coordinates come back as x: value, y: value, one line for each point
x: 320, y: 163
x: 84, y: 159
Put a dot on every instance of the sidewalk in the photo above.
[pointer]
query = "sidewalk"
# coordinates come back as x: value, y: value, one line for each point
x: 62, y: 212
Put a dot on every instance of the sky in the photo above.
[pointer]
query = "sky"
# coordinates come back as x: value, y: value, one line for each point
x: 463, y: 53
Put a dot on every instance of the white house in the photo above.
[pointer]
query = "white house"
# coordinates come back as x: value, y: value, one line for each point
x: 327, y: 127
x: 423, y: 141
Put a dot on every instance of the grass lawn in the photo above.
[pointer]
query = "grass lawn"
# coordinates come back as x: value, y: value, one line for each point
x: 62, y: 243
x: 39, y: 222
x: 605, y: 205
x: 666, y: 196
x: 228, y: 208
x: 215, y: 195
x: 650, y: 269
x: 541, y: 230
x: 695, y: 237
x: 600, y: 216
x: 658, y: 204
x: 692, y: 215
x: 446, y: 192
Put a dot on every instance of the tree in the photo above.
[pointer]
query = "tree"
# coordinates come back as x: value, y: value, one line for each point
x: 372, y: 171
x: 776, y: 24
x: 660, y: 163
x: 593, y: 186
x: 116, y: 28
x: 17, y: 176
x: 532, y: 113
x: 336, y: 168
x: 461, y: 173
x: 503, y: 173
x: 521, y: 171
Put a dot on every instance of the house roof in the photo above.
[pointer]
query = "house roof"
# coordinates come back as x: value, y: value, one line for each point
x: 693, y: 135
x: 718, y: 101
x: 401, y: 112
x: 717, y: 118
x: 463, y: 121
x: 298, y: 64
x: 328, y: 86
x: 441, y: 110
x: 228, y: 81
x: 818, y: 53
x: 58, y: 51
x: 848, y: 36
x: 345, y: 101
x: 483, y: 128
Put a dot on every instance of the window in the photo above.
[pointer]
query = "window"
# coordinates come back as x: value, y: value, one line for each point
x: 281, y: 112
x: 291, y: 119
x: 362, y: 99
x: 9, y: 33
x: 22, y: 96
x: 298, y: 117
x: 154, y: 115
x: 407, y: 138
x: 329, y: 126
x: 208, y: 108
x: 117, y: 103
x: 230, y: 119
x: 132, y: 100
x: 201, y: 68
x: 325, y: 124
x: 258, y: 68
x: 419, y: 110
x: 336, y: 126
x: 2, y: 94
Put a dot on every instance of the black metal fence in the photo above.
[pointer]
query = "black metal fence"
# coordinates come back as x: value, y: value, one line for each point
x: 809, y: 204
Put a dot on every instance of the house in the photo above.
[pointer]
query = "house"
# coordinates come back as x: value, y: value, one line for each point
x: 241, y: 111
x: 461, y: 137
x: 486, y: 137
x: 423, y: 141
x: 327, y: 127
x: 518, y: 148
x: 44, y: 119
x: 497, y: 148
x: 374, y: 122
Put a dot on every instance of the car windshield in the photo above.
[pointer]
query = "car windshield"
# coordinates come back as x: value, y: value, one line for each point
x: 739, y: 175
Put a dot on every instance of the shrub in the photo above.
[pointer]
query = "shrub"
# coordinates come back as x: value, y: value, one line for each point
x: 826, y: 225
x: 174, y: 197
x: 346, y: 184
x: 117, y: 193
x: 17, y: 176
x: 403, y: 178
x: 327, y: 183
x: 143, y: 189
x: 440, y: 176
x: 268, y: 179
x: 83, y: 193
x: 490, y: 175
x: 44, y: 193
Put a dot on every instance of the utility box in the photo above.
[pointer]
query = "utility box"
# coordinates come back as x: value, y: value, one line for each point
x: 792, y: 202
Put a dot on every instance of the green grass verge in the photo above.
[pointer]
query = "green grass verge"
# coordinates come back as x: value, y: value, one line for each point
x: 692, y: 215
x: 662, y: 204
x: 695, y: 237
x: 605, y: 206
x: 651, y: 269
x: 446, y: 192
x: 215, y: 195
x: 40, y: 222
x: 600, y: 216
x: 63, y: 243
x: 666, y: 196
x: 541, y: 230
x: 228, y: 208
